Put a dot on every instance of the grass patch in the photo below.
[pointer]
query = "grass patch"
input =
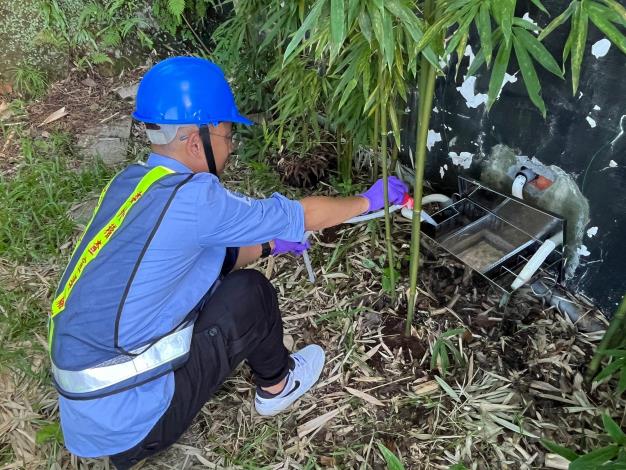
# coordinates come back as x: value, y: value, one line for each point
x: 34, y: 215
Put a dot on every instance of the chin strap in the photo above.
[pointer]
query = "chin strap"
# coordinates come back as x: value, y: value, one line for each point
x: 208, y: 149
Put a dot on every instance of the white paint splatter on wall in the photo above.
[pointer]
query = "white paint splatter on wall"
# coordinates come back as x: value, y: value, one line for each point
x: 467, y: 90
x: 591, y: 121
x: 464, y: 159
x: 433, y: 138
x: 592, y: 232
x: 601, y: 48
x: 583, y: 251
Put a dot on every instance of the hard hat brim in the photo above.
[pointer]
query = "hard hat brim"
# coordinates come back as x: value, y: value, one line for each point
x: 238, y: 119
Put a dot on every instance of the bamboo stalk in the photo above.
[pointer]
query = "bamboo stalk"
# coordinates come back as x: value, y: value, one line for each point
x: 426, y: 95
x: 382, y: 106
x: 609, y: 340
x: 375, y: 143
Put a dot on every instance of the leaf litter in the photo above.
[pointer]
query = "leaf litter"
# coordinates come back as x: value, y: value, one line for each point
x: 522, y: 377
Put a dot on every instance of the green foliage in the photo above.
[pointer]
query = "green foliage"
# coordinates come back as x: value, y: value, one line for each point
x: 392, y: 460
x: 612, y: 455
x: 613, y: 346
x: 49, y: 433
x: 606, y: 15
x: 441, y: 350
x: 616, y: 368
x: 92, y: 31
x: 29, y: 81
x: 34, y: 219
x: 178, y: 16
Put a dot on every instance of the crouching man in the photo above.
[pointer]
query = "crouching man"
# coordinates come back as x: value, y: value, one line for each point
x: 152, y: 313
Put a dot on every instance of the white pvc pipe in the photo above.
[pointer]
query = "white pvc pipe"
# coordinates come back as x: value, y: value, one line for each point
x: 518, y: 186
x: 372, y: 215
x: 307, y: 260
x: 535, y: 262
x: 440, y: 198
x: 424, y: 216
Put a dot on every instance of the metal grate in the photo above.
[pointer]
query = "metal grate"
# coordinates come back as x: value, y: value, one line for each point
x: 493, y: 233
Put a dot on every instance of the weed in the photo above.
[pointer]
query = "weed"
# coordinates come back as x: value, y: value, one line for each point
x: 612, y: 455
x: 34, y: 219
x: 392, y: 460
x: 92, y: 31
x: 442, y: 349
x: 29, y: 81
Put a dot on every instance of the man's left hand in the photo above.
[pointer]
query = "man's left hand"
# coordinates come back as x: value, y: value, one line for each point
x: 295, y: 248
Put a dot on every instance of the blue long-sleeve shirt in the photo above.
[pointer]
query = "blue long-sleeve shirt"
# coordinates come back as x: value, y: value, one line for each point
x: 182, y: 262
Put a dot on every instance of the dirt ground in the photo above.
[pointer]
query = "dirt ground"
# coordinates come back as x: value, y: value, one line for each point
x: 515, y: 375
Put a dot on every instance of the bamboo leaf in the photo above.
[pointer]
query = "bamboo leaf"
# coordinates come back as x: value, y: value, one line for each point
x: 337, y: 26
x: 353, y: 6
x: 538, y: 51
x: 559, y: 450
x: 377, y: 26
x: 346, y: 92
x: 613, y: 429
x: 369, y: 104
x: 567, y: 49
x: 594, y: 458
x: 380, y: 5
x: 609, y: 370
x: 580, y: 26
x: 395, y: 124
x: 558, y: 21
x: 454, y: 332
x: 613, y: 352
x: 617, y: 8
x: 621, y: 386
x: 497, y: 74
x: 389, y: 41
x: 513, y: 427
x: 522, y: 23
x: 608, y: 28
x: 453, y: 42
x: 412, y: 25
x: 392, y: 461
x: 460, y: 50
x: 308, y: 23
x: 531, y: 80
x: 435, y: 29
x: 477, y: 63
x: 451, y: 393
x: 539, y: 5
x: 503, y: 12
x: 483, y: 23
x: 366, y: 26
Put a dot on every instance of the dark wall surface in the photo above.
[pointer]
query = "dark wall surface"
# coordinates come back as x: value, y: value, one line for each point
x: 584, y: 135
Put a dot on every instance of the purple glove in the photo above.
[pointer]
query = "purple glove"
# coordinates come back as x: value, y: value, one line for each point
x: 295, y: 248
x: 374, y: 195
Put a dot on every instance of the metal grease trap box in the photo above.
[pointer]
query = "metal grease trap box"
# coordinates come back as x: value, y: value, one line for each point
x: 495, y: 234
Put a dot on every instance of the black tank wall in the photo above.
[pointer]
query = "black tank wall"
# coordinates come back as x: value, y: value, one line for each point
x: 593, y: 156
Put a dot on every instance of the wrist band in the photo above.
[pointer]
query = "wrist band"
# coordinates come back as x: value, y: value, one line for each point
x: 266, y: 249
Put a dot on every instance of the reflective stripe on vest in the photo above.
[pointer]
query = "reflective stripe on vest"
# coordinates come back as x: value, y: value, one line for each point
x: 104, y: 235
x: 164, y: 351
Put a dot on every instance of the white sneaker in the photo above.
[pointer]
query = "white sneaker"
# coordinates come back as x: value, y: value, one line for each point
x: 307, y: 367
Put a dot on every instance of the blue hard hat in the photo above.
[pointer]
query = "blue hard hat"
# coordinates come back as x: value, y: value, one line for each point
x: 186, y: 90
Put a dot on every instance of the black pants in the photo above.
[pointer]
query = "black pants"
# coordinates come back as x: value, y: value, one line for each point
x: 241, y: 320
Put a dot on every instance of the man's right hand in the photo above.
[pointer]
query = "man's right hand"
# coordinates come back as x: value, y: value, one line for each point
x: 396, y: 188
